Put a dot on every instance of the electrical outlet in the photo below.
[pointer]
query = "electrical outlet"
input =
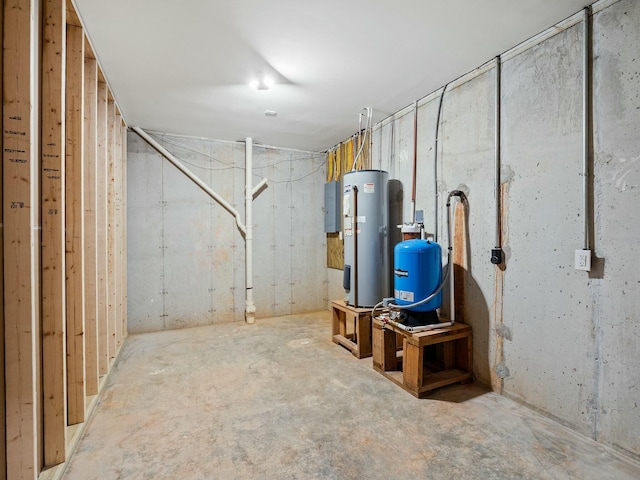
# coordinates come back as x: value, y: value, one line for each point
x: 583, y: 260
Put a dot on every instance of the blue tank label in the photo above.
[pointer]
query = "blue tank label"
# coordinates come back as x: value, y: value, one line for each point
x: 404, y: 295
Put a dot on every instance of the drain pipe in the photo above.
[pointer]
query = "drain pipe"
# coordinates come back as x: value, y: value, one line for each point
x: 496, y: 252
x: 250, y: 308
x: 250, y: 193
x: 191, y: 176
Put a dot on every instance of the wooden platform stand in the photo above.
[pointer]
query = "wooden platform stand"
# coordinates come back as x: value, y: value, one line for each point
x: 357, y: 342
x: 427, y: 360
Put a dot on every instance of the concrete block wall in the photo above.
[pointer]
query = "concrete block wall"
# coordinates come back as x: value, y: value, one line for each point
x: 186, y: 256
x: 562, y: 341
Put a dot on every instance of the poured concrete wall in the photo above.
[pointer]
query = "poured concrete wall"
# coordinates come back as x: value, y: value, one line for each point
x: 563, y: 341
x: 185, y: 254
x: 548, y: 360
x: 615, y: 312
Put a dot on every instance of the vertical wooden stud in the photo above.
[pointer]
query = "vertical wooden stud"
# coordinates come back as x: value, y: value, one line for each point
x: 390, y: 359
x: 20, y: 191
x: 111, y: 285
x: 74, y: 225
x: 53, y: 232
x: 117, y: 239
x: 3, y: 430
x: 448, y: 355
x: 412, y: 365
x: 90, y: 224
x: 102, y: 230
x: 123, y: 232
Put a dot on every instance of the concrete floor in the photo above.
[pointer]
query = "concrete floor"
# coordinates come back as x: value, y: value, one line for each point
x: 278, y: 400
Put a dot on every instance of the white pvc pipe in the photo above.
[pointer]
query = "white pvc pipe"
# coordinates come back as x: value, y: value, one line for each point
x: 420, y: 328
x: 250, y: 308
x: 258, y: 188
x: 250, y: 192
x: 433, y: 326
x: 180, y: 166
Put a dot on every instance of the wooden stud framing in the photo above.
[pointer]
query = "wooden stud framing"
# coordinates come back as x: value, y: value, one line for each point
x: 90, y: 224
x: 62, y: 232
x: 74, y: 226
x: 117, y: 161
x: 123, y: 230
x: 3, y: 425
x: 21, y: 309
x: 111, y: 285
x: 102, y: 230
x: 53, y: 232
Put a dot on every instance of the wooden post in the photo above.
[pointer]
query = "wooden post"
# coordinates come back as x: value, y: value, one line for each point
x: 102, y: 230
x: 3, y: 424
x: 111, y: 286
x: 117, y: 239
x: 20, y: 197
x: 74, y: 225
x: 412, y: 369
x: 53, y: 232
x: 123, y: 232
x: 90, y: 224
x: 460, y: 260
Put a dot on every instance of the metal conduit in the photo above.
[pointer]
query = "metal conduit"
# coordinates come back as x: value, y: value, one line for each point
x: 586, y: 122
x: 435, y: 166
x: 496, y: 252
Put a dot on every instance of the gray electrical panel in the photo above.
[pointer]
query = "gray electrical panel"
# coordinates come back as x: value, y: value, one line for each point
x: 332, y: 207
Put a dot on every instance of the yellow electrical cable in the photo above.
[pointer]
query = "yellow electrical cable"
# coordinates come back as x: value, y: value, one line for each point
x: 360, y: 162
x: 329, y: 166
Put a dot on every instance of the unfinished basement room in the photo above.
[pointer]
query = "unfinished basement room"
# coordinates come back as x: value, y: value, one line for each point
x: 302, y: 240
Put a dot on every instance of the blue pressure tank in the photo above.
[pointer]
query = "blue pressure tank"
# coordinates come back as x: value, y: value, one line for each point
x: 417, y: 269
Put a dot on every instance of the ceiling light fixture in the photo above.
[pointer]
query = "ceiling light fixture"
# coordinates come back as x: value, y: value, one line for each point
x: 262, y: 83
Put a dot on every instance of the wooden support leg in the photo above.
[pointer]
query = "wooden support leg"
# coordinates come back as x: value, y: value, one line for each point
x: 363, y: 333
x: 412, y: 370
x: 389, y: 359
x: 335, y: 322
x: 464, y: 358
x: 449, y: 355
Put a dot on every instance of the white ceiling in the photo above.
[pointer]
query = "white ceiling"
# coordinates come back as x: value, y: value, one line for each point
x: 184, y: 66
